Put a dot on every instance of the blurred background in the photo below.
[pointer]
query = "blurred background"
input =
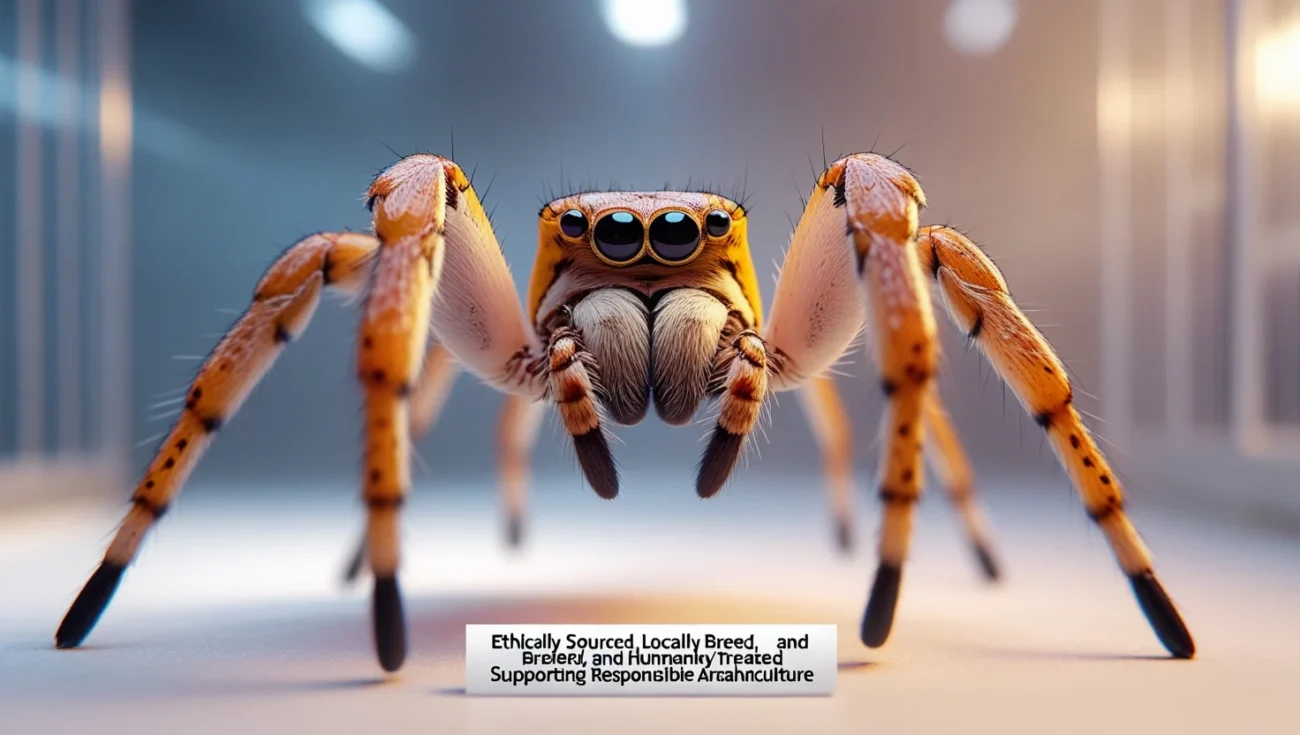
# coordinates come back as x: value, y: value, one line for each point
x: 1133, y: 167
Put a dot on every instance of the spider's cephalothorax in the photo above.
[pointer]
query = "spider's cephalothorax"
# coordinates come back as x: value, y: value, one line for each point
x: 640, y: 300
x: 641, y: 297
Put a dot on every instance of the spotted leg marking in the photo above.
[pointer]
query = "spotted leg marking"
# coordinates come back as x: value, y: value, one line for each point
x: 282, y: 305
x: 437, y: 377
x: 851, y: 262
x: 977, y: 299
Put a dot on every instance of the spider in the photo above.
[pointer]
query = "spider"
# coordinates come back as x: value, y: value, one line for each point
x: 641, y: 298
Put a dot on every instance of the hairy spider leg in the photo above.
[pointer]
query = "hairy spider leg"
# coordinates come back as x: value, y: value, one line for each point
x: 282, y: 305
x: 980, y: 304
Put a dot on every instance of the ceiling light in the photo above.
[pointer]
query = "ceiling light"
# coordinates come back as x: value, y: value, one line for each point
x: 979, y: 27
x: 646, y: 22
x: 365, y: 30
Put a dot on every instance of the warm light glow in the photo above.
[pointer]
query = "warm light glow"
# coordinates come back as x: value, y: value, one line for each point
x: 1277, y: 69
x: 979, y: 27
x: 646, y: 22
x: 365, y: 30
x: 115, y: 120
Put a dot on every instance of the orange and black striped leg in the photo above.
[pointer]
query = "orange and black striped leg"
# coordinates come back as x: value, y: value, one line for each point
x: 882, y: 200
x: 437, y: 377
x: 410, y: 202
x: 977, y: 299
x: 282, y: 306
x: 824, y: 410
x: 945, y: 455
x: 571, y: 388
x: 852, y: 259
x: 516, y: 434
x: 744, y: 365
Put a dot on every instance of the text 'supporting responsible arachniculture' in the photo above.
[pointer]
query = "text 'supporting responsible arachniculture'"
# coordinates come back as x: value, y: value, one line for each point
x: 632, y: 660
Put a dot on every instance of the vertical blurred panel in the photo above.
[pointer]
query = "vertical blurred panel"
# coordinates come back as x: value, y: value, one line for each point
x: 1242, y: 230
x: 1211, y: 266
x: 53, y: 336
x: 1265, y: 215
x: 115, y: 135
x: 30, y: 220
x: 68, y: 223
x: 1115, y: 150
x: 1179, y: 185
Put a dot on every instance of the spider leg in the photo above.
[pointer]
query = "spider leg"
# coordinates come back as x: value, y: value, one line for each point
x: 516, y: 434
x: 823, y: 408
x: 852, y: 261
x: 437, y: 377
x: 440, y: 269
x: 944, y: 454
x: 977, y: 299
x: 744, y: 365
x: 282, y: 305
x: 432, y: 388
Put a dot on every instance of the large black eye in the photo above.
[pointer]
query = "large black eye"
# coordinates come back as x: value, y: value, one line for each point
x: 717, y: 223
x: 573, y: 223
x: 674, y: 236
x: 618, y: 236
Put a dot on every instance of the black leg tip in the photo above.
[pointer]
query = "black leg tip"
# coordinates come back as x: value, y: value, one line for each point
x: 514, y: 532
x: 89, y: 605
x: 597, y: 463
x: 844, y: 536
x: 1162, y: 615
x: 879, y: 616
x: 390, y: 624
x: 988, y: 565
x: 718, y: 461
x: 353, y: 570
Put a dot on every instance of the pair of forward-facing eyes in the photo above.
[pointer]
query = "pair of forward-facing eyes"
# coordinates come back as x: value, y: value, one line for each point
x: 620, y: 237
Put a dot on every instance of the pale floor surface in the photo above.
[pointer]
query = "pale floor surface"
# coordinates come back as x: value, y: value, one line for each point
x: 232, y: 621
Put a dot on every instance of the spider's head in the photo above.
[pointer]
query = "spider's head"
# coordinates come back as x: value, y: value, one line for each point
x: 647, y: 242
x: 630, y: 228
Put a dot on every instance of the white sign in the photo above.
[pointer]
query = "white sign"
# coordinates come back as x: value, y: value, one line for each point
x: 639, y: 660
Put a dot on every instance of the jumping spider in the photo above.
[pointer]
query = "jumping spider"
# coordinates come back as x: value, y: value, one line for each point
x: 640, y: 298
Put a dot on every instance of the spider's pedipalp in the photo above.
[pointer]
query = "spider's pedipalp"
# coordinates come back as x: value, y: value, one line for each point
x: 978, y: 301
x: 283, y: 303
x: 744, y: 365
x: 574, y: 394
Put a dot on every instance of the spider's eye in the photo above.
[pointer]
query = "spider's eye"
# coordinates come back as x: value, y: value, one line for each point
x: 618, y: 236
x: 674, y: 236
x: 717, y: 223
x: 573, y: 223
